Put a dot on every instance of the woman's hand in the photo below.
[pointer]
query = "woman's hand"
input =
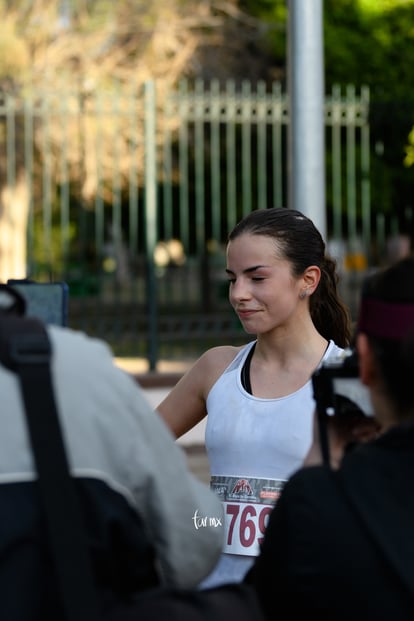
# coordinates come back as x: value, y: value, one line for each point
x: 343, y: 432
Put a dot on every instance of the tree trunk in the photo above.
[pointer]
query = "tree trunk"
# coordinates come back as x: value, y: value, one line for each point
x: 14, y: 209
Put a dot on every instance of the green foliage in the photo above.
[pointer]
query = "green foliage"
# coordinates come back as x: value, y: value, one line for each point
x: 368, y: 42
x: 273, y: 13
x: 409, y: 150
x: 268, y: 10
x: 371, y: 42
x: 370, y: 47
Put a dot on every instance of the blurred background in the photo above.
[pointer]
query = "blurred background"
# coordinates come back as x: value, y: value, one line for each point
x: 134, y: 135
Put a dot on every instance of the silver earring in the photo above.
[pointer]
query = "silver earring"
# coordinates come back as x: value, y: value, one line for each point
x: 303, y: 294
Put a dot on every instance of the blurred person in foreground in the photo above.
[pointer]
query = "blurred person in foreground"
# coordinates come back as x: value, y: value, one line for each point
x: 339, y: 543
x: 149, y: 520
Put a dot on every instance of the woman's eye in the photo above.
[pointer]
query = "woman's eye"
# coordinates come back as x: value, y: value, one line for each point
x: 257, y: 278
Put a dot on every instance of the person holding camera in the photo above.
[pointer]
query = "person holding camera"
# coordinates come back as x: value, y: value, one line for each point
x: 339, y: 542
x: 258, y: 397
x: 148, y: 521
x: 344, y: 415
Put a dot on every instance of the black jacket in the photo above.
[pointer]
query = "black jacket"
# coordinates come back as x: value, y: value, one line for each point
x: 340, y: 544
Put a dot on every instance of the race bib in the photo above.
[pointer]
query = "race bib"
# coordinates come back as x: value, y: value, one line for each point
x: 247, y: 505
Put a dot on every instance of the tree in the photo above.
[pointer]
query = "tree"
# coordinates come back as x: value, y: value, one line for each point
x: 366, y: 42
x: 82, y: 47
x: 74, y: 49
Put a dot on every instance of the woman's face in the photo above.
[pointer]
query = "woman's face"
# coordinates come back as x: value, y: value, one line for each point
x: 263, y: 291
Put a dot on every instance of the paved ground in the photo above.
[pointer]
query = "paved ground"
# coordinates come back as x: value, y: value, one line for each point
x: 156, y: 385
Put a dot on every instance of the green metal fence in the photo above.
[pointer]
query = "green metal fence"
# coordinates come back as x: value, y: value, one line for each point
x: 130, y: 197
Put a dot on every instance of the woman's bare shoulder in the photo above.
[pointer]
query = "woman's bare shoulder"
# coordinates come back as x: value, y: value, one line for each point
x: 211, y: 364
x: 219, y: 357
x: 185, y: 404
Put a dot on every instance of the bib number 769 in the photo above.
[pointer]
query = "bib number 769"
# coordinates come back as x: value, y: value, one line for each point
x: 245, y: 527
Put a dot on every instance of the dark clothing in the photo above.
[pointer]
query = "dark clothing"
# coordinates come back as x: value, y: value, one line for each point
x: 230, y: 601
x: 340, y: 544
x: 122, y: 555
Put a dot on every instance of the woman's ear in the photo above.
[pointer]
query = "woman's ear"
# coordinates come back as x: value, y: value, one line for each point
x: 311, y: 278
x: 365, y: 359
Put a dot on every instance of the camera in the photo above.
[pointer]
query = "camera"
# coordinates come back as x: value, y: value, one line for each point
x: 46, y: 301
x: 337, y: 388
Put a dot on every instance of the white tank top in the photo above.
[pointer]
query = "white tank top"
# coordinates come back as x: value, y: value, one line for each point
x: 254, y: 445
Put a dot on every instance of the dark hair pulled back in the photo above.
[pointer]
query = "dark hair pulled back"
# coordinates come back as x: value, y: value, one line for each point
x: 300, y: 243
x: 395, y: 357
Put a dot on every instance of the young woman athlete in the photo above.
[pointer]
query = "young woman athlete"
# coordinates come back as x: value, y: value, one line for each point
x: 258, y: 397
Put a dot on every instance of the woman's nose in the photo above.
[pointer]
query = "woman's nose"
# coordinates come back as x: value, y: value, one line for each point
x: 239, y: 290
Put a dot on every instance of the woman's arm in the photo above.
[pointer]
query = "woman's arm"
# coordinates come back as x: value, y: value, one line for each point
x: 185, y: 405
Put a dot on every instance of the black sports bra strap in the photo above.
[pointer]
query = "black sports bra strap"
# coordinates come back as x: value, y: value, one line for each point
x: 245, y: 372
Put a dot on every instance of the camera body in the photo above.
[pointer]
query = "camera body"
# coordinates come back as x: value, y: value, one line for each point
x: 337, y: 388
x: 47, y: 301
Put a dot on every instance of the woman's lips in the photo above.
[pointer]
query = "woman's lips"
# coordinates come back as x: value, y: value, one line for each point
x: 246, y: 313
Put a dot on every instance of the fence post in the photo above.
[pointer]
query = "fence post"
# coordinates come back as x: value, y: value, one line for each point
x: 151, y: 221
x: 365, y: 181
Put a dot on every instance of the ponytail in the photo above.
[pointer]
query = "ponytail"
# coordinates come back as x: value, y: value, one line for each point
x: 331, y: 317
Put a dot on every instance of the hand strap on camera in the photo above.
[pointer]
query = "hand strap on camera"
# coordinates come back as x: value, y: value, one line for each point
x: 25, y: 349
